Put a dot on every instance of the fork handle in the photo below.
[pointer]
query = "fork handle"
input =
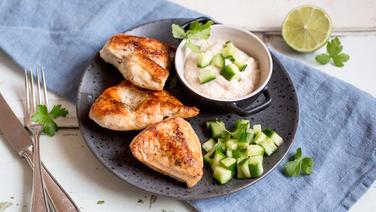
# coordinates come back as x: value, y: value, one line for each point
x: 59, y: 198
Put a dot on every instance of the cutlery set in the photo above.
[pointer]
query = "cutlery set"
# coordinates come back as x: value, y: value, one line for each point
x: 47, y: 194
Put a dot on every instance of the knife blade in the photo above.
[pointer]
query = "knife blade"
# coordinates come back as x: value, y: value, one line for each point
x: 18, y: 138
x: 14, y: 132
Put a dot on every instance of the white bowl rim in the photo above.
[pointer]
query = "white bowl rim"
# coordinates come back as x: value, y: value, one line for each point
x: 260, y: 87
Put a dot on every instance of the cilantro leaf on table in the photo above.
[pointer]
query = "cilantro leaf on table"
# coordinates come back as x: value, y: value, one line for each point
x: 46, y: 119
x: 196, y: 31
x: 298, y: 165
x: 333, y: 51
x: 100, y: 202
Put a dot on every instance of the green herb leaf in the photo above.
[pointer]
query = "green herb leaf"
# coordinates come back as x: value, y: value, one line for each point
x: 99, y: 202
x: 333, y: 49
x: 195, y: 48
x: 340, y: 59
x: 46, y: 119
x: 323, y: 58
x: 297, y: 164
x: 196, y: 30
x: 178, y: 32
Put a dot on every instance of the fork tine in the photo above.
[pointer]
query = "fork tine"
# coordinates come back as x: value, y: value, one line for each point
x: 44, y: 88
x: 33, y: 102
x: 27, y: 90
x: 38, y: 86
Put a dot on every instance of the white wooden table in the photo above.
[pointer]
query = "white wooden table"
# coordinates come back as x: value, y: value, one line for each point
x: 87, y: 181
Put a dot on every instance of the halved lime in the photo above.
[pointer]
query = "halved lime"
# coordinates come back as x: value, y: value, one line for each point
x: 306, y: 28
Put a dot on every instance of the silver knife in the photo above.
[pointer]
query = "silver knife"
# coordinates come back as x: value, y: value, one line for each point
x: 19, y: 139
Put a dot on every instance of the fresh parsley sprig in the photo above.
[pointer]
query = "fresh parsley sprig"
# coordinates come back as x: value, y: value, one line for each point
x: 334, y: 51
x: 46, y: 119
x: 298, y: 164
x: 196, y: 31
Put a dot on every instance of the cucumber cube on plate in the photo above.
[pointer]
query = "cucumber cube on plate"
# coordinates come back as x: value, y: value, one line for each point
x: 222, y: 175
x: 268, y: 145
x: 228, y: 152
x: 206, y: 76
x: 217, y: 129
x: 260, y: 136
x: 244, y: 168
x: 208, y: 145
x: 230, y: 164
x: 204, y: 59
x: 255, y: 166
x: 218, y: 61
x: 254, y: 150
x: 246, y: 137
x: 274, y: 136
x: 256, y: 128
x: 218, y: 156
x: 232, y: 144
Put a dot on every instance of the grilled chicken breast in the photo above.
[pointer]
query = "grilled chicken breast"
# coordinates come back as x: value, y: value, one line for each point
x: 143, y: 61
x: 171, y: 147
x: 127, y: 107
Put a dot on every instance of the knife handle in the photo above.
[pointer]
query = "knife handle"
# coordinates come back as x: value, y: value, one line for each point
x: 60, y: 200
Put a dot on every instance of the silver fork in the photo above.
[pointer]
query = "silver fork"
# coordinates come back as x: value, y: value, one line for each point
x: 36, y: 95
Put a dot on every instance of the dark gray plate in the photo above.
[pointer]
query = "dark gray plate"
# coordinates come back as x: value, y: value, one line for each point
x: 112, y: 148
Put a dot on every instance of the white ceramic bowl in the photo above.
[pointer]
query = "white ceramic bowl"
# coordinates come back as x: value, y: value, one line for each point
x: 248, y: 43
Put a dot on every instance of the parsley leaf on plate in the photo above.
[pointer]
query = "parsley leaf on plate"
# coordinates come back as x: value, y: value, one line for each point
x: 333, y: 51
x: 196, y: 31
x: 46, y: 119
x: 298, y: 164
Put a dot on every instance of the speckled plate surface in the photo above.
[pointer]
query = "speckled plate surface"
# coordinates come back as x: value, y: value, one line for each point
x: 112, y: 148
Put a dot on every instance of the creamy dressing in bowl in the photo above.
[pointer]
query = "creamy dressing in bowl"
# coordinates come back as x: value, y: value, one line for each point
x: 220, y: 88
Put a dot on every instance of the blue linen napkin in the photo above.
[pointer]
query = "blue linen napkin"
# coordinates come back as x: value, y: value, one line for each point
x: 337, y: 121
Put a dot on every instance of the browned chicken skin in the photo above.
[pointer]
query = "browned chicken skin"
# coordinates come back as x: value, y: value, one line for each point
x: 172, y: 148
x: 143, y: 61
x: 127, y: 107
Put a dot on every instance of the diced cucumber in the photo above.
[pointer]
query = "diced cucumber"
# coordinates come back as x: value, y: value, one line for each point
x: 206, y: 76
x: 228, y: 152
x: 204, y: 59
x: 232, y: 144
x: 222, y: 175
x: 256, y: 128
x: 246, y: 137
x: 268, y: 132
x: 254, y: 150
x: 230, y: 72
x: 208, y: 145
x: 242, y: 145
x: 268, y: 145
x: 229, y: 50
x: 239, y: 173
x: 238, y: 153
x: 217, y: 129
x: 218, y: 61
x: 244, y: 168
x: 241, y: 126
x: 255, y: 166
x: 274, y: 136
x: 230, y: 164
x: 260, y: 136
x: 240, y: 64
x: 222, y: 142
x: 208, y: 157
x: 218, y: 156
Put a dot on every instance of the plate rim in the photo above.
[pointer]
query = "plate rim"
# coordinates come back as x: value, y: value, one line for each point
x: 209, y: 195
